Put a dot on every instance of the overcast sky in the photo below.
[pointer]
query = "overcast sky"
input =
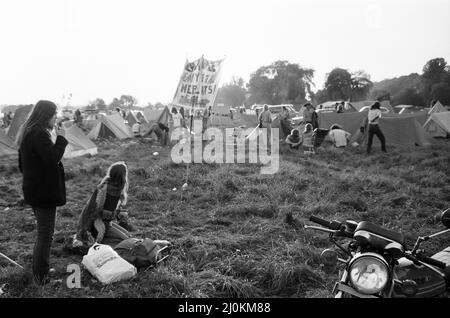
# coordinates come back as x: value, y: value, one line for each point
x: 50, y: 48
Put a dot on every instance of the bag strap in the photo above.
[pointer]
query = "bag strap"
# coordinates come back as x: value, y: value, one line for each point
x: 374, y: 119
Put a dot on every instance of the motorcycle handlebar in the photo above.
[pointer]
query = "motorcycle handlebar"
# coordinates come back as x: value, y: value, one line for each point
x: 320, y: 221
x: 334, y: 225
x: 431, y: 261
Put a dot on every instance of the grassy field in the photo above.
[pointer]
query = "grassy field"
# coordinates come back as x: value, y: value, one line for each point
x: 236, y: 233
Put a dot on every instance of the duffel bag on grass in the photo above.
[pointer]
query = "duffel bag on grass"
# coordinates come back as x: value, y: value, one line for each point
x: 143, y: 253
x: 106, y: 265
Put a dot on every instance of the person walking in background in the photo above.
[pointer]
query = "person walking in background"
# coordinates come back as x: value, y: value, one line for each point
x: 339, y: 137
x: 374, y: 129
x: 176, y: 118
x: 78, y: 118
x: 265, y: 118
x: 284, y: 122
x: 43, y: 178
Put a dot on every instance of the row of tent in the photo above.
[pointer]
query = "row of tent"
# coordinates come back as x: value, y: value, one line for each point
x: 399, y: 129
x: 407, y: 129
x: 109, y: 126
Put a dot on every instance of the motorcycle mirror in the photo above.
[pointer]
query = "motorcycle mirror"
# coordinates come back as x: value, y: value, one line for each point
x: 445, y: 218
x: 329, y: 257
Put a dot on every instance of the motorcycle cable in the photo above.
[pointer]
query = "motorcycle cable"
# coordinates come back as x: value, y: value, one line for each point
x: 334, y: 241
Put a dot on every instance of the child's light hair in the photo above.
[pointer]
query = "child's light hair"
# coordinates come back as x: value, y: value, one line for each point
x: 124, y: 192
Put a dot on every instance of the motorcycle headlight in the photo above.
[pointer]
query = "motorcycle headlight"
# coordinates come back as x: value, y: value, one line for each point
x: 368, y: 273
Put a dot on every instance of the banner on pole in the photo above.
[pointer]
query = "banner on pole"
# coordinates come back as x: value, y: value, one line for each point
x: 198, y: 84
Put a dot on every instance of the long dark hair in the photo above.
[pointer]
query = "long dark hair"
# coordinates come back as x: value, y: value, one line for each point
x: 375, y: 105
x: 38, y: 118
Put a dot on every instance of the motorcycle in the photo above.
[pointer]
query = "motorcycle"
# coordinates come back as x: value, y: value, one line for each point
x: 377, y: 263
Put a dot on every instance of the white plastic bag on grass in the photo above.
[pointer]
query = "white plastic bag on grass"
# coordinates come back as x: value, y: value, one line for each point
x: 106, y: 265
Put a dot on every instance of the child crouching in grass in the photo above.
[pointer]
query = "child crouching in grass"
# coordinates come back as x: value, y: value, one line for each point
x: 103, y: 207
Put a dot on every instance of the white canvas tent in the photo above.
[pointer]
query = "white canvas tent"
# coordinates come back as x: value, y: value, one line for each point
x: 111, y: 126
x: 437, y: 108
x: 79, y: 143
x: 7, y: 146
x: 438, y: 124
x: 400, y: 131
x: 157, y: 116
x: 20, y: 116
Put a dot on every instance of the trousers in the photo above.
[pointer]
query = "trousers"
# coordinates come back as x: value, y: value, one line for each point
x: 41, y: 254
x: 375, y: 130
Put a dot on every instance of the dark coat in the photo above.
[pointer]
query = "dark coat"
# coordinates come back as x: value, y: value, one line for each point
x: 43, y: 173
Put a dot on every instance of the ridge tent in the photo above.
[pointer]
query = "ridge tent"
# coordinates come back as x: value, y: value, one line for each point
x: 90, y: 123
x: 141, y: 117
x: 437, y: 108
x: 111, y: 126
x: 157, y: 116
x: 438, y: 124
x: 20, y: 116
x: 348, y: 121
x: 7, y: 146
x: 79, y: 144
x: 399, y: 131
x: 131, y: 118
x: 420, y: 116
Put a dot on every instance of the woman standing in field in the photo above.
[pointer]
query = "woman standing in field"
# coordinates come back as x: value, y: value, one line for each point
x: 43, y: 178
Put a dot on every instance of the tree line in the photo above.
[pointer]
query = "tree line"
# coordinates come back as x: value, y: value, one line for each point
x: 285, y: 82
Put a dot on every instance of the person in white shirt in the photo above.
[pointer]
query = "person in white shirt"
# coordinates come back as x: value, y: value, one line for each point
x: 374, y: 129
x: 339, y: 136
x: 136, y: 128
x: 265, y: 120
x: 177, y: 118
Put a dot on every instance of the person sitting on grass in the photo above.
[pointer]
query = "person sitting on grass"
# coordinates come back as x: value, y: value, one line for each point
x: 103, y: 207
x: 339, y: 137
x: 307, y: 138
x: 294, y: 140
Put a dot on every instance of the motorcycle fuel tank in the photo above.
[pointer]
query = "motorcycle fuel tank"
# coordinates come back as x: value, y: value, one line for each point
x: 430, y: 282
